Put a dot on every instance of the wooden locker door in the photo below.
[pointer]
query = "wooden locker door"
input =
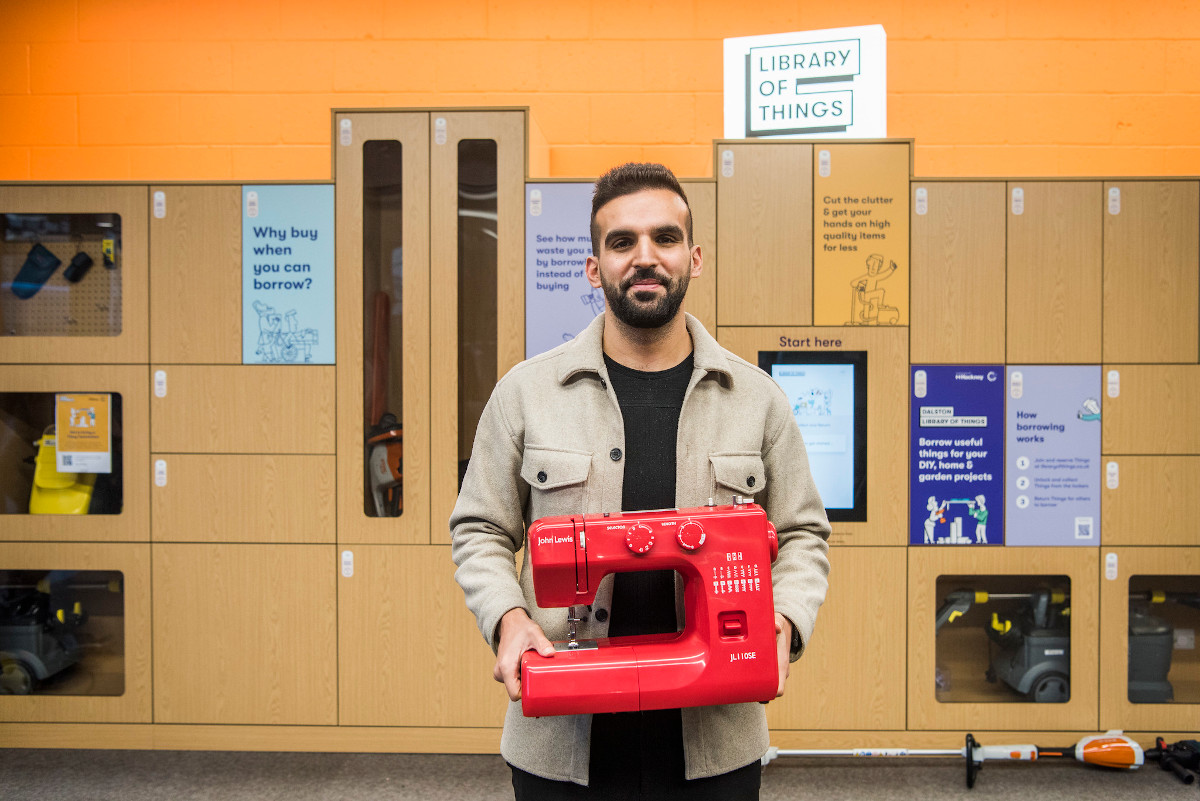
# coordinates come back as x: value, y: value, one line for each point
x: 242, y: 409
x: 1151, y: 409
x: 260, y: 497
x: 196, y: 250
x: 124, y: 647
x: 702, y: 292
x: 1004, y: 709
x: 858, y: 643
x: 19, y: 433
x: 409, y: 652
x: 764, y: 215
x: 97, y: 287
x: 1180, y: 567
x: 861, y: 243
x: 958, y: 260
x: 1152, y: 500
x: 469, y: 351
x: 245, y: 634
x: 887, y: 424
x: 400, y: 187
x: 1151, y: 280
x: 1054, y: 263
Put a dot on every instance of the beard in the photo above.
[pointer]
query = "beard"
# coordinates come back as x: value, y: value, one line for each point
x: 638, y: 313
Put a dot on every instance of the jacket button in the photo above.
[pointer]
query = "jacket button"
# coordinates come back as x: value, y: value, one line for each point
x: 542, y: 476
x: 601, y: 615
x: 749, y: 480
x: 603, y: 384
x: 615, y: 454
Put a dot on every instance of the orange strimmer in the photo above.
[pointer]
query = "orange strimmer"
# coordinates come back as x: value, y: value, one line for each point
x: 385, y: 439
x: 1109, y: 750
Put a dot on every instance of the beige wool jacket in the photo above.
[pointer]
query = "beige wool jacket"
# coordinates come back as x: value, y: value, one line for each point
x: 555, y: 417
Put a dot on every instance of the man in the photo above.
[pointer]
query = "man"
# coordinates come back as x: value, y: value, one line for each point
x: 642, y: 410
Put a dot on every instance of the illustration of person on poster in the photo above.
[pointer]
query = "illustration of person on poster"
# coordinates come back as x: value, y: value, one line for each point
x: 957, y: 451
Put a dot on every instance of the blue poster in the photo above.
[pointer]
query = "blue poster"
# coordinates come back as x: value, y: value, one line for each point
x: 287, y: 274
x: 1053, y: 456
x: 957, y: 451
x: 559, y: 301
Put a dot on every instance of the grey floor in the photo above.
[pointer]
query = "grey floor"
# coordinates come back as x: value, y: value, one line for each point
x: 38, y: 775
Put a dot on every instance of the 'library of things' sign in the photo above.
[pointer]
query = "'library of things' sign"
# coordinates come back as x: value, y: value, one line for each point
x: 830, y: 83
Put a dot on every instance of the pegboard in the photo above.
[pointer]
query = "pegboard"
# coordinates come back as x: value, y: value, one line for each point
x: 89, y: 308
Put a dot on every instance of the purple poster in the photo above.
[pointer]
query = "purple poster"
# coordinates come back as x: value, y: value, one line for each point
x: 559, y: 301
x: 1053, y: 455
x: 957, y: 446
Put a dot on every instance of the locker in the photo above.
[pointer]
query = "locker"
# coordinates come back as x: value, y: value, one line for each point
x: 196, y: 253
x: 1054, y: 262
x: 1153, y: 502
x: 1150, y: 409
x: 1151, y: 280
x: 383, y: 251
x: 100, y: 318
x: 409, y: 652
x: 27, y: 400
x: 245, y: 634
x: 966, y: 653
x: 852, y: 673
x: 111, y: 681
x: 265, y: 498
x: 242, y: 409
x: 764, y: 213
x: 1142, y: 705
x: 958, y: 264
x: 887, y: 410
x: 477, y: 248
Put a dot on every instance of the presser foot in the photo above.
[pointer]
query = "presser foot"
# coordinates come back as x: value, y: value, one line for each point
x: 576, y: 645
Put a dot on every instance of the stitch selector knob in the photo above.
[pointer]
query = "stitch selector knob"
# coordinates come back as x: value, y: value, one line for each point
x: 690, y: 536
x: 639, y: 538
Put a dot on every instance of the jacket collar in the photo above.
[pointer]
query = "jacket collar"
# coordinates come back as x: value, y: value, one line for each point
x: 585, y: 353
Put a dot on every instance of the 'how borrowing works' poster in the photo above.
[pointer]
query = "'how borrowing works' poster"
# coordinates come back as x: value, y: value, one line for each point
x: 957, y: 451
x: 1053, y: 456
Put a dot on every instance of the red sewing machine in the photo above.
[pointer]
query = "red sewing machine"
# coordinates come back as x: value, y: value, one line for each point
x: 726, y: 652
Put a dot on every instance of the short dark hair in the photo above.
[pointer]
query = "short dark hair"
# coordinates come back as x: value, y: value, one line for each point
x: 627, y: 179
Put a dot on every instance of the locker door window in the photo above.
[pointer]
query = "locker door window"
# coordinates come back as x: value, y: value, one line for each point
x: 477, y: 288
x: 383, y: 310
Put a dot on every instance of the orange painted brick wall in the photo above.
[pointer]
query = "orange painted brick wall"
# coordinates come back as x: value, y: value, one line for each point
x: 241, y: 89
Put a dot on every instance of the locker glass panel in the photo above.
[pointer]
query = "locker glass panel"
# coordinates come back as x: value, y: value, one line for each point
x: 478, y: 225
x: 1164, y: 614
x: 1003, y: 639
x: 41, y: 472
x: 60, y: 275
x: 62, y: 632
x: 383, y: 271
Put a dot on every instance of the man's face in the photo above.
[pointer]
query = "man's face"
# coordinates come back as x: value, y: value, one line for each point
x: 645, y: 260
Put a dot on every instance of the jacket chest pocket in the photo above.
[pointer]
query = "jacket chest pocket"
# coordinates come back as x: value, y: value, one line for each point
x: 738, y: 473
x: 557, y: 479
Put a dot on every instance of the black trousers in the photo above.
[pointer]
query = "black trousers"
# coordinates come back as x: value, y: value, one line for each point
x: 638, y: 756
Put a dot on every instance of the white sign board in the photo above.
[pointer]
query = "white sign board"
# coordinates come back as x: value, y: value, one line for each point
x: 828, y: 84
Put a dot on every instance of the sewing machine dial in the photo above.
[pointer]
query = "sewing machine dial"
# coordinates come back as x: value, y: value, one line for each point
x: 690, y: 536
x: 639, y: 538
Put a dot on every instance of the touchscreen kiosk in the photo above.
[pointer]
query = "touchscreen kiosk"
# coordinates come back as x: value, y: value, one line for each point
x: 828, y: 394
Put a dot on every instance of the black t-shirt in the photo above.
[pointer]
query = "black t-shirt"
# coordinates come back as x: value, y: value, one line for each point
x: 644, y: 602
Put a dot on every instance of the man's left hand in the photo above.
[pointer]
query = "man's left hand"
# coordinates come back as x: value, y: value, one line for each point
x: 783, y: 649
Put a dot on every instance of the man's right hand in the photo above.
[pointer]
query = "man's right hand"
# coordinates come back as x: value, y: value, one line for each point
x: 518, y: 634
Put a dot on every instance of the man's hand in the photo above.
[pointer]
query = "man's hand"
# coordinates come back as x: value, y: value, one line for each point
x: 519, y: 634
x: 783, y: 649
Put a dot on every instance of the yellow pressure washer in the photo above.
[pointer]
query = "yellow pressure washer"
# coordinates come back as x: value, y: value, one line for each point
x: 56, y: 493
